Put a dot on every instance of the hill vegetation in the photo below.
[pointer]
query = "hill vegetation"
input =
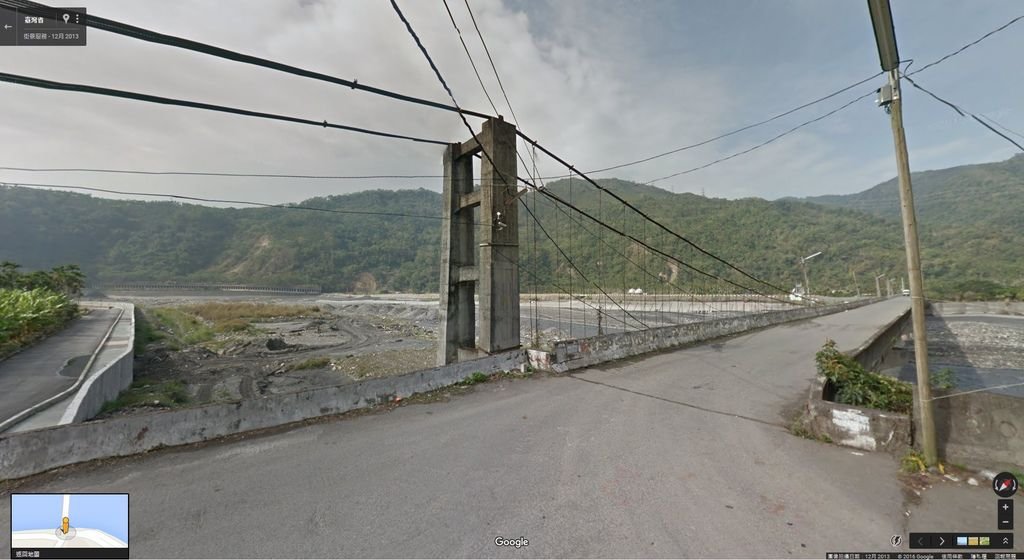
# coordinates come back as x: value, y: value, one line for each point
x: 971, y: 220
x: 973, y: 245
x: 36, y: 304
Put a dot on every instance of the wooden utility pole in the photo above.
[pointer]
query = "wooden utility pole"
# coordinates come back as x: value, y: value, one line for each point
x: 885, y: 37
x: 917, y: 303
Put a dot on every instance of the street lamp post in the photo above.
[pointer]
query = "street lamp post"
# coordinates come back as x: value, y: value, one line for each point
x: 878, y: 284
x: 803, y: 265
x: 888, y: 54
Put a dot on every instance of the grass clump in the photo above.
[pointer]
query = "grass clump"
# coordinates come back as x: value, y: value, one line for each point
x: 857, y: 387
x: 944, y: 379
x: 145, y: 333
x: 474, y: 378
x: 318, y: 362
x: 798, y: 427
x: 144, y: 392
x: 183, y: 328
x: 237, y: 316
x: 913, y: 462
x: 220, y: 311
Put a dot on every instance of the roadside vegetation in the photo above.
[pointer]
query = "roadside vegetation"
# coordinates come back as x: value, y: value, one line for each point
x: 145, y: 333
x: 204, y: 323
x: 943, y: 379
x: 149, y: 393
x: 857, y: 387
x: 35, y: 305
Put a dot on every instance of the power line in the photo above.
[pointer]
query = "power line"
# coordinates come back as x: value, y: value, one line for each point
x: 576, y: 268
x: 493, y: 67
x: 82, y: 88
x: 613, y: 229
x: 795, y: 109
x: 535, y: 175
x: 451, y: 95
x: 222, y: 201
x: 644, y: 215
x: 766, y: 142
x: 538, y: 279
x: 92, y: 20
x: 963, y: 112
x: 440, y: 78
x: 556, y: 206
x: 967, y: 46
x: 211, y: 174
x: 480, y: 80
x: 995, y: 122
x: 469, y: 56
x: 738, y: 130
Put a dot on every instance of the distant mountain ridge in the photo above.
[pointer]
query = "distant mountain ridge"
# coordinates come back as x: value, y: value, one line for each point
x: 971, y: 218
x: 973, y: 245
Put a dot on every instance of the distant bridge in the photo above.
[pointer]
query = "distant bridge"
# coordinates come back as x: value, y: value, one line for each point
x: 199, y: 286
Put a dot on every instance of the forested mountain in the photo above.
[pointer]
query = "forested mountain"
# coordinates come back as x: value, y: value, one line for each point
x: 971, y: 243
x: 972, y: 217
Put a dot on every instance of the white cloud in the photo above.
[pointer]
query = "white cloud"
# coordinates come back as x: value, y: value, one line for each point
x: 579, y: 74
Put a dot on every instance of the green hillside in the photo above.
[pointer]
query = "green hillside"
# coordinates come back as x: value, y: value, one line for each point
x: 972, y: 220
x: 115, y: 240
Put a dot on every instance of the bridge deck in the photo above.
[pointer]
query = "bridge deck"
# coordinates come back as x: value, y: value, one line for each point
x: 678, y: 454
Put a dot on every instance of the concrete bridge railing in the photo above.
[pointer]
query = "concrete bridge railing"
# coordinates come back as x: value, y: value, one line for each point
x: 568, y: 355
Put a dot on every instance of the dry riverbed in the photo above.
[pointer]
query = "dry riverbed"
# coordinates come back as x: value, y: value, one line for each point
x: 193, y: 350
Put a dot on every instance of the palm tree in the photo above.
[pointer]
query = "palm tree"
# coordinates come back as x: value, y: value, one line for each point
x: 68, y: 279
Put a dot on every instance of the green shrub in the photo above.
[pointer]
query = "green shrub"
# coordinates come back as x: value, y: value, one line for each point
x: 856, y: 387
x: 943, y: 379
x: 26, y: 315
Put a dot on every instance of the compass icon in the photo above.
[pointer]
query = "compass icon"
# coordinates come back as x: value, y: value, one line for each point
x: 1005, y: 485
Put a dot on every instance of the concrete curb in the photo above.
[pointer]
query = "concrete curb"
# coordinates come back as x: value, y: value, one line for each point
x: 27, y: 453
x: 107, y: 383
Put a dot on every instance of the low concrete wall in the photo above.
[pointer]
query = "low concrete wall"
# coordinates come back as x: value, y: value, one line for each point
x: 982, y: 429
x: 579, y: 353
x: 880, y: 348
x: 863, y: 428
x: 27, y: 453
x: 111, y: 378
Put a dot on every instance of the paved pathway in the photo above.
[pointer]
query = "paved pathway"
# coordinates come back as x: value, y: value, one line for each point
x: 38, y: 373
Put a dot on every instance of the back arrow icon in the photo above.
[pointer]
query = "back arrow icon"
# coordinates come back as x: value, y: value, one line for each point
x: 7, y: 26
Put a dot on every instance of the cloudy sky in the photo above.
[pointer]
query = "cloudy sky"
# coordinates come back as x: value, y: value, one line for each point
x: 600, y: 82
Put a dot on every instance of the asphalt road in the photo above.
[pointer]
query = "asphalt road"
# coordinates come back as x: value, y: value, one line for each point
x: 680, y: 454
x: 38, y: 373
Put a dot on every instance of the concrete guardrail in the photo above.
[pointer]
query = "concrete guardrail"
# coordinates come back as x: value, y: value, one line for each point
x: 568, y: 355
x: 26, y: 453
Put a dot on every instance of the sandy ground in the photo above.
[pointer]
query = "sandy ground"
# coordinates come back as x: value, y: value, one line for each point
x: 353, y: 342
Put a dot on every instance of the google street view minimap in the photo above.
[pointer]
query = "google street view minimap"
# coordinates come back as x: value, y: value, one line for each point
x: 69, y: 526
x: 512, y: 278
